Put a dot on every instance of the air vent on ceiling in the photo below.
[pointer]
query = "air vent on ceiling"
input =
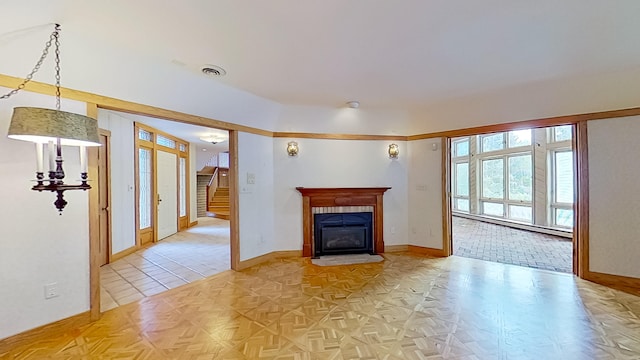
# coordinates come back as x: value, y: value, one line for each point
x: 213, y: 70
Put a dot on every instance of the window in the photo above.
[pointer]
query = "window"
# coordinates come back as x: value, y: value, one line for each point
x: 144, y: 169
x: 520, y: 177
x: 461, y: 147
x: 183, y: 187
x: 223, y: 160
x: 492, y: 142
x: 144, y: 135
x: 499, y: 174
x: 462, y: 205
x: 493, y: 209
x: 562, y: 188
x: 165, y: 141
x: 506, y: 181
x: 460, y: 176
x: 462, y: 179
x: 493, y: 178
x: 519, y: 138
x: 523, y: 213
x: 182, y: 147
x: 561, y: 133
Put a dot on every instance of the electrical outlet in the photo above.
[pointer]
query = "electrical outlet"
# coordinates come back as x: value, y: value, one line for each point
x: 393, y: 229
x: 51, y: 290
x: 251, y: 178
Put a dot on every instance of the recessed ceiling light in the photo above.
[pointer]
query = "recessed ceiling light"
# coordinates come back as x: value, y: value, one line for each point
x: 203, y: 149
x: 213, y: 70
x: 353, y: 104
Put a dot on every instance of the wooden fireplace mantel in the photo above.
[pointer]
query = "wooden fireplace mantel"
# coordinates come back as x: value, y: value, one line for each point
x: 326, y: 197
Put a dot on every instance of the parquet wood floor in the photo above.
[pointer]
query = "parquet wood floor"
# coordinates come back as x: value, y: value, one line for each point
x: 407, y: 307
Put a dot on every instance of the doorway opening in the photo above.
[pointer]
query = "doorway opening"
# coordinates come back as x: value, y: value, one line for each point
x: 159, y: 241
x: 513, y: 195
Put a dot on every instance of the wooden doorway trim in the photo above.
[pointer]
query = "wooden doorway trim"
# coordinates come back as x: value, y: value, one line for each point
x: 581, y: 207
x: 447, y: 235
x: 581, y: 182
x: 94, y: 207
x: 234, y: 205
x: 94, y: 226
x: 107, y: 184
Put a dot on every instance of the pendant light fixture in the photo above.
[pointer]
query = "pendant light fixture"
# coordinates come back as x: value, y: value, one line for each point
x: 54, y: 128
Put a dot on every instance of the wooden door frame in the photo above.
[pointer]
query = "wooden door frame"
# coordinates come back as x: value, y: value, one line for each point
x: 107, y: 134
x: 580, y: 239
x: 154, y: 147
x: 94, y: 206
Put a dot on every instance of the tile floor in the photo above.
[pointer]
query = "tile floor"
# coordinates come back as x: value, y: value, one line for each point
x: 187, y: 256
x: 490, y: 242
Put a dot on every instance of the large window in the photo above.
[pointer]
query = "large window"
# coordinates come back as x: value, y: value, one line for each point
x: 507, y: 190
x: 519, y: 175
x: 460, y: 176
x: 561, y: 156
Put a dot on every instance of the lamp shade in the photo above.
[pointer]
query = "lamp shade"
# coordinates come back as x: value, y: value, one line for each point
x: 43, y: 125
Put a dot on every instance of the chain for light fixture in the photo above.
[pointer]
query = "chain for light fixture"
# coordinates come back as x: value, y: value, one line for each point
x: 53, y: 38
x: 46, y: 125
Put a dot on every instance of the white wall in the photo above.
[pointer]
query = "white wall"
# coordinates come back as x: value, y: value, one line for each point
x: 123, y: 195
x: 38, y: 246
x: 425, y: 193
x: 342, y: 120
x: 255, y: 156
x: 614, y: 209
x: 338, y: 163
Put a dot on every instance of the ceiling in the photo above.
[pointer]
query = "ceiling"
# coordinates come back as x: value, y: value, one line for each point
x: 402, y: 54
x: 187, y: 132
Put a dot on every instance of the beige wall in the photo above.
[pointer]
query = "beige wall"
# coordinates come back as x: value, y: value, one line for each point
x: 614, y: 196
x: 425, y: 193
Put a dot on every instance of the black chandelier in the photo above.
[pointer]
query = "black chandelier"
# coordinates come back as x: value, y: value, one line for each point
x: 56, y: 128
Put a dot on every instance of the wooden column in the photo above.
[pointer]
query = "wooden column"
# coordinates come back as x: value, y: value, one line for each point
x: 378, y: 215
x: 306, y: 226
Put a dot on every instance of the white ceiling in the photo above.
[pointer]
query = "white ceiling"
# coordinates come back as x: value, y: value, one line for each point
x: 401, y: 54
x: 187, y: 132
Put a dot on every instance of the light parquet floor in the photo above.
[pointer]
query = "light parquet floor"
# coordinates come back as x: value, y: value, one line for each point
x: 407, y: 307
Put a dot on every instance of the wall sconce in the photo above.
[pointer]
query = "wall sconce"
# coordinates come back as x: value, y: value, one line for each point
x: 393, y: 151
x: 292, y: 148
x: 55, y: 128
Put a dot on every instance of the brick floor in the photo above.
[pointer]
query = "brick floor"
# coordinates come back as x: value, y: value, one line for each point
x: 485, y: 241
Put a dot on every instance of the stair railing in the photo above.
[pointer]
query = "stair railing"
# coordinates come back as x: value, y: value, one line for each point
x: 211, y: 188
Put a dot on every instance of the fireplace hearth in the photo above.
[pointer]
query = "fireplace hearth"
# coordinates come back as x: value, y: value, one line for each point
x: 343, y: 233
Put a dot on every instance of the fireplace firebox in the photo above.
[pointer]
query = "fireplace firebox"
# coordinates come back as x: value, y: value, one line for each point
x: 343, y: 233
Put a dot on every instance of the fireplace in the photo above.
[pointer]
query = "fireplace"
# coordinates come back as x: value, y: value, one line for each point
x: 341, y: 200
x: 344, y: 233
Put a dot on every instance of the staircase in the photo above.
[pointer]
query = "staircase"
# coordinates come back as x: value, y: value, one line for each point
x: 219, y: 205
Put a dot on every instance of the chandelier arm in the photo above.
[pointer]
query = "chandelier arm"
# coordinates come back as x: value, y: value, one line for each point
x: 53, y: 38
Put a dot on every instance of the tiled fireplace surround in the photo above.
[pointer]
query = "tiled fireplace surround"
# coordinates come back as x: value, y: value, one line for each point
x: 341, y: 200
